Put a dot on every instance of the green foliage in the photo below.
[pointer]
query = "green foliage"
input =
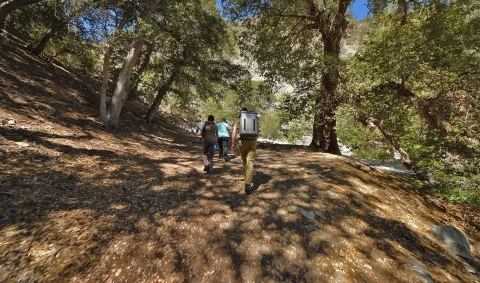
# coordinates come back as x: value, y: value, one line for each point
x: 416, y: 185
x: 261, y: 99
x: 295, y: 113
x: 459, y: 189
x: 298, y: 131
x: 269, y: 124
x: 68, y: 44
x: 363, y: 142
x: 434, y: 55
x: 458, y: 195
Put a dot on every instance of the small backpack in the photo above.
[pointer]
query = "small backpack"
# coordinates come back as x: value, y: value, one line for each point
x: 208, y: 131
x: 248, y: 125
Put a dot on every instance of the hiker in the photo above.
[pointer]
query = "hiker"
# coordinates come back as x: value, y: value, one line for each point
x: 209, y: 133
x: 224, y: 133
x: 247, y: 144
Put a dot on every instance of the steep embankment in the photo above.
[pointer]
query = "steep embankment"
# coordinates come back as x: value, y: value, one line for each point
x: 84, y: 205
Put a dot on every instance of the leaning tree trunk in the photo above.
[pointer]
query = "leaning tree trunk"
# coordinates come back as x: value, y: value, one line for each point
x: 121, y: 90
x: 8, y: 6
x: 373, y: 123
x: 56, y: 27
x: 141, y: 69
x: 162, y: 91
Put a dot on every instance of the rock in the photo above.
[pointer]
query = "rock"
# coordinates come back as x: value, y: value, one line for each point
x: 455, y: 240
x: 24, y: 144
x: 308, y: 214
x: 234, y: 224
x: 418, y: 268
x: 472, y: 271
x: 311, y: 227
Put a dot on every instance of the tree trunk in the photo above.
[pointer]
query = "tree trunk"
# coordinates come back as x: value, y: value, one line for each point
x: 56, y: 27
x: 104, y: 87
x: 373, y: 123
x: 162, y: 91
x: 332, y: 26
x: 140, y: 70
x: 8, y: 6
x: 120, y: 93
x: 324, y: 133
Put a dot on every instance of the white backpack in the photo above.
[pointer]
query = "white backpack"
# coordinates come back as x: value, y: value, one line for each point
x: 248, y: 125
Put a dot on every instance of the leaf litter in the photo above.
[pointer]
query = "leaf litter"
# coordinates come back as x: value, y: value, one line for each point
x: 82, y: 204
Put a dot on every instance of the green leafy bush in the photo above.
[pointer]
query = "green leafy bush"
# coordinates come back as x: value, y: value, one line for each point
x: 270, y: 126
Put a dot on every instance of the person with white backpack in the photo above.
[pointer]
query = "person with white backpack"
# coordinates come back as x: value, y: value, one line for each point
x: 246, y: 126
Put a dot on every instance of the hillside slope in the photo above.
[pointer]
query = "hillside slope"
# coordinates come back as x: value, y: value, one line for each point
x: 80, y: 204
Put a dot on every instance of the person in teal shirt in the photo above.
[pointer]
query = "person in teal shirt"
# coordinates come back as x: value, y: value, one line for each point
x: 224, y: 133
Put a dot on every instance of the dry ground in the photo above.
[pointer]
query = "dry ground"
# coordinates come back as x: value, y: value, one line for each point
x: 80, y: 204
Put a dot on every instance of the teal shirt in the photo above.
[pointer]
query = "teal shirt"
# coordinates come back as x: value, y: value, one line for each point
x: 223, y: 130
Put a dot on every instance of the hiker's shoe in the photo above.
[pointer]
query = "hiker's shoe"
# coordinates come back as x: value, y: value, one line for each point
x: 248, y: 189
x: 205, y: 168
x: 209, y: 169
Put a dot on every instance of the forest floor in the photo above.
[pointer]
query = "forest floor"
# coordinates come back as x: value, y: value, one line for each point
x: 81, y: 204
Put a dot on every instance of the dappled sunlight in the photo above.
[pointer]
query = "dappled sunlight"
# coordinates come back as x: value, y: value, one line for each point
x: 83, y: 204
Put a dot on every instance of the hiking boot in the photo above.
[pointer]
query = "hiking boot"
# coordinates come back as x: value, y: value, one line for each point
x: 248, y: 189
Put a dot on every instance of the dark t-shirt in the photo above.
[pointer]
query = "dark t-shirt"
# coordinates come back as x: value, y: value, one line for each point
x: 208, y: 130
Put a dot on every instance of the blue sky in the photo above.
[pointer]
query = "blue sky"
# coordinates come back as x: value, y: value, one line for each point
x: 359, y: 8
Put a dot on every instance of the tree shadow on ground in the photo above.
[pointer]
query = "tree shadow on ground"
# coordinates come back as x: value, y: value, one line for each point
x: 144, y: 210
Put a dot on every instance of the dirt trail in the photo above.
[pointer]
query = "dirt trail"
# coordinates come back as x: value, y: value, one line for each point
x: 85, y: 205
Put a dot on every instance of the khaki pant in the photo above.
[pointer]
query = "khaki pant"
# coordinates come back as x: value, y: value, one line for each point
x: 247, y: 151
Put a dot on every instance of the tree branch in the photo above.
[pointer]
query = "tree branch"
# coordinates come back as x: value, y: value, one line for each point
x: 307, y: 27
x: 398, y: 88
x: 302, y: 17
x: 373, y: 123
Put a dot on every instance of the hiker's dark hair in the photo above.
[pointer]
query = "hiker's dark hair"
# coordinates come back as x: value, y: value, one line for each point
x: 244, y: 109
x: 211, y: 118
